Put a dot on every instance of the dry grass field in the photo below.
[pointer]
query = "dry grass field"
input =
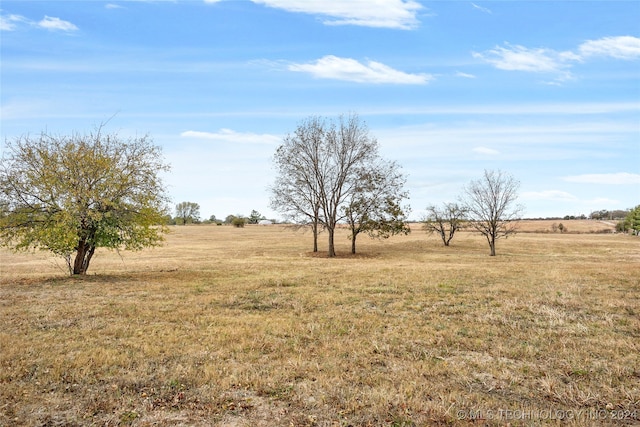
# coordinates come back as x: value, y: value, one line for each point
x: 245, y: 327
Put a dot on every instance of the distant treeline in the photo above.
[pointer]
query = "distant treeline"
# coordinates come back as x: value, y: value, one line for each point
x: 600, y: 215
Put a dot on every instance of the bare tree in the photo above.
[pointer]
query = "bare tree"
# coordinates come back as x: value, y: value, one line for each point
x: 445, y: 221
x: 491, y: 203
x: 348, y: 146
x: 317, y: 171
x: 375, y: 205
x: 295, y: 192
x: 188, y: 212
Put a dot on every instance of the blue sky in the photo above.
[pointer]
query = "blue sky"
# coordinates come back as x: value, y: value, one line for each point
x: 547, y: 91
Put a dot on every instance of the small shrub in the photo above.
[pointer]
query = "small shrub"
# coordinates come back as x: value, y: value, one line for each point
x: 238, y: 222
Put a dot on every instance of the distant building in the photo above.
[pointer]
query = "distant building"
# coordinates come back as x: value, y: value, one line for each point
x: 265, y: 222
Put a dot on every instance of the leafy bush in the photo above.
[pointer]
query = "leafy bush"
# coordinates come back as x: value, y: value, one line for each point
x: 238, y: 222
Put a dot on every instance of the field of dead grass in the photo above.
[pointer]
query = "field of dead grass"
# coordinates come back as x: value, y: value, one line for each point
x: 245, y: 327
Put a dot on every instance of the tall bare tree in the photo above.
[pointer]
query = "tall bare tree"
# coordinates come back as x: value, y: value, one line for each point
x: 73, y: 194
x: 348, y: 146
x: 296, y: 192
x: 318, y: 170
x: 445, y: 220
x: 491, y: 203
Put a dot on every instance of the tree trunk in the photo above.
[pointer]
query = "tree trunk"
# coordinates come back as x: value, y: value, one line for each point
x: 353, y: 243
x: 443, y: 236
x: 314, y: 226
x: 332, y: 251
x: 83, y: 257
x: 492, y: 245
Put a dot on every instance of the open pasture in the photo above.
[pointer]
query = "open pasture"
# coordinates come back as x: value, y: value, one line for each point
x: 245, y: 327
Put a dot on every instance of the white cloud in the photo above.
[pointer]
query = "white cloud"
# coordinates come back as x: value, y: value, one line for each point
x: 333, y: 67
x: 113, y: 6
x: 542, y: 60
x: 10, y: 22
x: 486, y: 151
x: 480, y: 8
x: 399, y: 14
x: 228, y: 135
x: 51, y: 23
x: 620, y: 178
x: 465, y: 75
x: 623, y: 47
x: 520, y: 58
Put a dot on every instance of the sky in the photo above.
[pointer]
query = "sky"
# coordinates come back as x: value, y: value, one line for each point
x: 547, y: 91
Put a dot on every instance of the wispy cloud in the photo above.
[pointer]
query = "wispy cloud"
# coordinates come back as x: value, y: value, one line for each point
x: 486, y: 151
x: 520, y: 58
x: 348, y: 69
x: 228, y: 135
x: 624, y: 47
x: 11, y: 23
x: 544, y: 60
x: 398, y: 14
x: 113, y: 6
x: 620, y: 178
x: 465, y: 75
x: 56, y: 24
x: 481, y: 9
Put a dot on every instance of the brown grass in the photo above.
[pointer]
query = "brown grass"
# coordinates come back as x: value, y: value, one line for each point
x: 244, y: 327
x: 572, y: 226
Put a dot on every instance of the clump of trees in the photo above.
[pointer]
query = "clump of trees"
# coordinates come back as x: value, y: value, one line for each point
x: 212, y: 220
x: 188, y: 213
x: 487, y: 205
x: 631, y: 222
x: 572, y: 217
x: 72, y: 194
x: 605, y: 214
x: 237, y: 221
x: 329, y: 172
x: 255, y: 217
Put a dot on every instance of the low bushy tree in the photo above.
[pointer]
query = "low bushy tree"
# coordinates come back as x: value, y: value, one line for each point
x: 374, y: 205
x: 445, y: 220
x: 73, y: 194
x: 238, y: 222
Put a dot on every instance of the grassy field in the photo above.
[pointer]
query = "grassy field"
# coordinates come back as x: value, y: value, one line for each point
x: 245, y: 327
